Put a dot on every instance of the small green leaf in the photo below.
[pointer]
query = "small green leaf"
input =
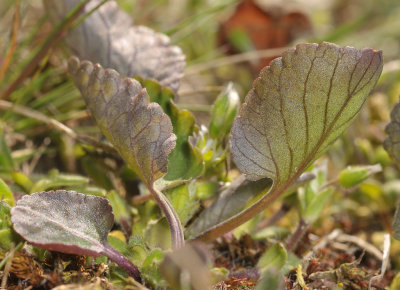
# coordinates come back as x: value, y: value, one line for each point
x: 6, y: 194
x: 183, y: 199
x: 185, y: 161
x: 224, y: 112
x: 56, y: 180
x: 354, y: 175
x: 22, y: 180
x: 317, y: 204
x: 274, y: 257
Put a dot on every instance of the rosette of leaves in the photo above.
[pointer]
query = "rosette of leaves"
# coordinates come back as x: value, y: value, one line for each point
x: 139, y: 130
x: 107, y: 36
x: 298, y: 106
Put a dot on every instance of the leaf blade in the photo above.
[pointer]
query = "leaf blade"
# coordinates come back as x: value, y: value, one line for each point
x: 120, y: 105
x: 301, y: 103
x: 107, y: 37
x: 54, y: 221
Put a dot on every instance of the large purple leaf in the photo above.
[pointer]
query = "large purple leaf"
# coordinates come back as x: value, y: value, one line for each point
x: 392, y: 142
x: 68, y: 222
x: 298, y: 106
x: 108, y: 37
x: 64, y: 221
x: 138, y: 129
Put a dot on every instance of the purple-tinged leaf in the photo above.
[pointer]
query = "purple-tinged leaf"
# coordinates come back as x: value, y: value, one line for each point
x: 108, y: 37
x: 392, y: 142
x: 298, y: 106
x: 68, y: 222
x: 139, y: 130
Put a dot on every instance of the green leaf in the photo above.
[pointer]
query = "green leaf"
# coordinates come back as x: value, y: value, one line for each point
x: 274, y: 257
x: 6, y: 194
x: 22, y: 180
x: 139, y: 130
x: 68, y: 222
x: 317, y: 204
x: 392, y: 142
x: 108, y: 37
x: 354, y: 175
x: 224, y: 112
x: 183, y: 199
x: 185, y: 161
x: 298, y: 106
x: 55, y: 180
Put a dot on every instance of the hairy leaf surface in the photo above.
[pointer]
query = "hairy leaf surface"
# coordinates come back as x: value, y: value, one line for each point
x: 69, y: 222
x: 299, y: 105
x: 392, y: 142
x: 139, y: 130
x: 64, y: 221
x: 108, y: 37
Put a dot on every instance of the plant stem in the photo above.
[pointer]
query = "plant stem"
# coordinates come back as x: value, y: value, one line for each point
x: 297, y: 235
x: 275, y: 217
x: 172, y: 217
x: 122, y: 261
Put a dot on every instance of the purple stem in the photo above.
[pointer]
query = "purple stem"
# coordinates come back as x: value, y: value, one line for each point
x: 297, y: 235
x: 123, y: 262
x: 274, y: 218
x: 173, y: 220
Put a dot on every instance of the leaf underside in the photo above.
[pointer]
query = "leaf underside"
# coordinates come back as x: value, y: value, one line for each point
x: 298, y: 106
x: 392, y: 142
x: 108, y: 37
x: 139, y: 130
x: 64, y: 221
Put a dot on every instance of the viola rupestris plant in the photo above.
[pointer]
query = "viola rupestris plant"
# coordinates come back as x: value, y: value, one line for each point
x: 298, y: 106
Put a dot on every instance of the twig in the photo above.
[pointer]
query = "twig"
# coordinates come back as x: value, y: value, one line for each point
x: 343, y: 238
x: 242, y: 57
